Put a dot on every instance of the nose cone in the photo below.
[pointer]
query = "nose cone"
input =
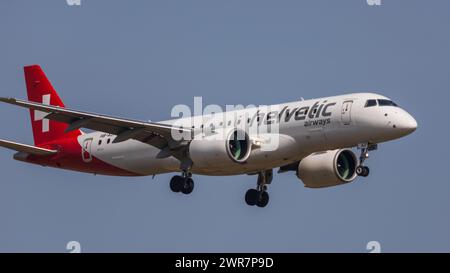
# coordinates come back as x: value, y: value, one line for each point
x: 407, y: 124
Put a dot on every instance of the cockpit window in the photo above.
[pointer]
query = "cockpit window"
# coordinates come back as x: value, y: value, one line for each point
x: 386, y: 103
x: 370, y: 103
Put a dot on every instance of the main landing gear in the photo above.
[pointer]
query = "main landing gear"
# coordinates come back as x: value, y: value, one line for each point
x: 362, y: 170
x: 182, y: 183
x: 259, y: 196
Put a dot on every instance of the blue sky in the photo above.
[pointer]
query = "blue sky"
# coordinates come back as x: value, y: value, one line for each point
x: 139, y: 59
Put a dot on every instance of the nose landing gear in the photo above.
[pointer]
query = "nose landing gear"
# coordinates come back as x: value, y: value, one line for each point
x: 182, y: 183
x: 362, y: 170
x: 259, y: 196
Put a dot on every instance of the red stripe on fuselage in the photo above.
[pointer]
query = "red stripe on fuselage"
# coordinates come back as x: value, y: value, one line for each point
x: 69, y: 157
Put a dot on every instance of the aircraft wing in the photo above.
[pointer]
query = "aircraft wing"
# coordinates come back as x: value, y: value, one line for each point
x: 155, y: 134
x: 26, y: 148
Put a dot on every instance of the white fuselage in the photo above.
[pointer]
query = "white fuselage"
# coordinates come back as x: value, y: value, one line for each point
x: 346, y: 122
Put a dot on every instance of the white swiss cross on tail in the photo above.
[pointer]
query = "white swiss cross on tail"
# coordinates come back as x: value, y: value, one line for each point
x: 39, y: 115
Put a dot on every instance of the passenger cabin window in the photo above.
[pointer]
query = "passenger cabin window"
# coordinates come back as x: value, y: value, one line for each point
x: 370, y: 103
x: 386, y: 103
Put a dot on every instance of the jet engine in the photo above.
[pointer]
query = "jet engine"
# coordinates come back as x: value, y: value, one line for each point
x: 215, y: 150
x: 328, y: 168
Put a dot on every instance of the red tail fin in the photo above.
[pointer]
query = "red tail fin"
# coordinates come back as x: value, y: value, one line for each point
x: 40, y: 90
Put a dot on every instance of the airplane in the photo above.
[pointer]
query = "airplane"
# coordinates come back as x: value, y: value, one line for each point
x: 314, y: 137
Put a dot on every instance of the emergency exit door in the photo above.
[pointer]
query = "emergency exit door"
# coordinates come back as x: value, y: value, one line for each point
x: 346, y: 113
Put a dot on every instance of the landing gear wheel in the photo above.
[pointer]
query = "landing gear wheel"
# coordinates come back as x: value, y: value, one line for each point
x: 259, y: 196
x: 176, y: 183
x: 263, y: 199
x: 366, y: 171
x: 362, y: 171
x: 359, y: 170
x: 188, y: 185
x: 251, y: 197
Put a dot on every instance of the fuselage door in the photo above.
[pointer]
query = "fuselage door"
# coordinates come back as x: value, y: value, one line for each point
x: 346, y: 113
x: 86, y: 154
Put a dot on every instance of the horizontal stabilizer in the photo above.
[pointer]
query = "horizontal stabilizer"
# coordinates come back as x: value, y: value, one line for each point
x: 26, y: 148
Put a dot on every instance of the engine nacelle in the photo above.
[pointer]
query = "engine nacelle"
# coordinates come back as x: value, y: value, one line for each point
x: 328, y: 168
x: 213, y: 151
